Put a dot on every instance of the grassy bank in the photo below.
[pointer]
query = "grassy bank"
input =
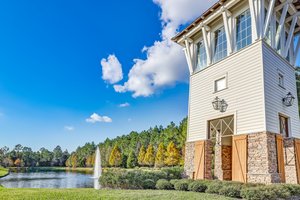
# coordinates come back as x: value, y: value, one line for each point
x: 3, y: 172
x: 91, y: 194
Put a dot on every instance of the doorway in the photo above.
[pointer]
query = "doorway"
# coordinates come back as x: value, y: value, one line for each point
x: 220, y: 133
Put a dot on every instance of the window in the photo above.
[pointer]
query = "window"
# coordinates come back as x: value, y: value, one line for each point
x: 220, y: 84
x: 201, y: 56
x: 284, y: 126
x: 220, y: 44
x: 280, y: 80
x: 243, y: 30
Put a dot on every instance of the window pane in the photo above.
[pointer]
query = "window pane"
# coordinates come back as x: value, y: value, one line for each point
x: 220, y: 44
x: 243, y: 27
x: 220, y: 84
x: 201, y: 56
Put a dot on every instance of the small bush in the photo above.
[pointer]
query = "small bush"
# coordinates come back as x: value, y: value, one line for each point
x: 279, y: 190
x: 173, y: 181
x: 163, y: 184
x: 257, y: 193
x: 214, y: 187
x: 293, y: 189
x: 197, y: 186
x: 233, y: 190
x: 136, y: 178
x: 182, y: 185
x: 148, y: 184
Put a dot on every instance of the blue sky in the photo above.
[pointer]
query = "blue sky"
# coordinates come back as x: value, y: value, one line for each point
x: 66, y: 67
x: 51, y: 76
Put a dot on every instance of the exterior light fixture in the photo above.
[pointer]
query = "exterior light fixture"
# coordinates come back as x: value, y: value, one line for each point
x: 216, y: 103
x: 219, y: 104
x: 224, y: 106
x: 288, y: 100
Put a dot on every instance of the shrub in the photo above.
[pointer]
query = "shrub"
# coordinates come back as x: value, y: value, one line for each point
x: 163, y: 184
x: 214, y: 187
x: 197, y: 186
x: 173, y: 181
x: 280, y: 190
x: 182, y: 185
x: 130, y: 179
x: 173, y: 172
x: 148, y: 184
x: 257, y: 193
x: 293, y: 189
x: 233, y: 190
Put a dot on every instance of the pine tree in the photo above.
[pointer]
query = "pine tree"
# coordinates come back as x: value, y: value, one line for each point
x: 160, y: 155
x: 149, y: 156
x: 172, y: 155
x: 141, y: 156
x: 132, y: 160
x: 115, y: 158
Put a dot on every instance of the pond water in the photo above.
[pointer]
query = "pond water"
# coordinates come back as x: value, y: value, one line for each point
x: 47, y: 179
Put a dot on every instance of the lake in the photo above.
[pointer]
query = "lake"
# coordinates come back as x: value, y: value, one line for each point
x: 48, y: 179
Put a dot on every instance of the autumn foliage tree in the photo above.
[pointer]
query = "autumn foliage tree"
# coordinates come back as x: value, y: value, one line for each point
x: 172, y: 155
x: 141, y: 156
x: 115, y: 158
x: 160, y: 155
x: 17, y: 162
x: 149, y: 156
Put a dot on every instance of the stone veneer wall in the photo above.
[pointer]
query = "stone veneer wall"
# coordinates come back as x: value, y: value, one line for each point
x: 262, y: 158
x: 189, y: 159
x: 290, y: 161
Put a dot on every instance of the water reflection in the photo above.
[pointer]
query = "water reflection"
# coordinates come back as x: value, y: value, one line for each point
x: 50, y: 179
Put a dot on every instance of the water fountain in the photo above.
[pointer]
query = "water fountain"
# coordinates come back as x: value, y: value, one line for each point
x: 97, y: 169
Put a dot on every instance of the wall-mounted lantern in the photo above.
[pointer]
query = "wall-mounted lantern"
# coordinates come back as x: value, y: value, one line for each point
x: 219, y: 104
x: 288, y: 100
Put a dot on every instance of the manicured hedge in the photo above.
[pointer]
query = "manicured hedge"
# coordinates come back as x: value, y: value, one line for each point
x: 169, y: 179
x: 137, y: 178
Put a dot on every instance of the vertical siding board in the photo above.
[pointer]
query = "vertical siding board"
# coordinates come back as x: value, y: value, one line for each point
x: 280, y: 157
x: 239, y: 158
x: 199, y: 160
x: 297, y: 152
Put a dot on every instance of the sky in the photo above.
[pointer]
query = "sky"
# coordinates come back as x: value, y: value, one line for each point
x: 75, y: 71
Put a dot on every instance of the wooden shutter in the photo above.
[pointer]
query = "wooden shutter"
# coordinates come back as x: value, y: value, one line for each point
x: 239, y: 158
x: 280, y: 157
x: 199, y: 160
x: 297, y: 152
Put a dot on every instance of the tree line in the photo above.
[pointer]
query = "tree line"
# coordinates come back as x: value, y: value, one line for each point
x: 21, y: 156
x: 156, y: 146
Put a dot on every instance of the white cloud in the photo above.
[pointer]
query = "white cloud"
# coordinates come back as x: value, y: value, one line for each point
x: 69, y: 128
x: 111, y: 69
x: 97, y: 118
x: 122, y: 105
x: 165, y: 64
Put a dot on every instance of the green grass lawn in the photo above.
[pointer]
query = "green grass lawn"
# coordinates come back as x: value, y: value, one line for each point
x: 3, y: 172
x: 91, y: 194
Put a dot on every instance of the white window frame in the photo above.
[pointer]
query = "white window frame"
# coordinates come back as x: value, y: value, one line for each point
x: 225, y: 76
x: 243, y: 9
x: 213, y: 42
x: 280, y: 74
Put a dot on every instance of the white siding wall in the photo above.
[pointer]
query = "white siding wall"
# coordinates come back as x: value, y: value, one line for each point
x: 274, y: 93
x: 244, y: 94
